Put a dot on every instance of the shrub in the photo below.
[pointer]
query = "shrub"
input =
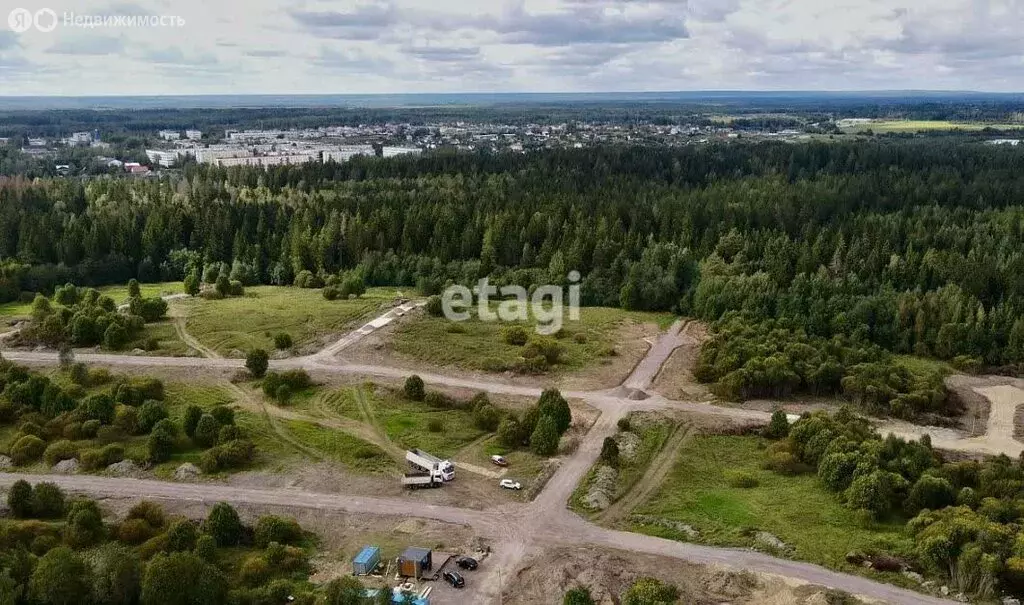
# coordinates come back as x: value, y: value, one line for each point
x: 164, y: 575
x: 434, y: 425
x: 271, y: 528
x: 223, y: 414
x: 27, y: 449
x: 331, y: 293
x: 84, y: 525
x: 741, y: 479
x: 99, y: 458
x: 228, y: 433
x: 486, y: 418
x: 282, y: 340
x: 126, y: 418
x: 649, y: 591
x: 434, y: 306
x: 414, y: 388
x: 233, y: 454
x: 47, y: 501
x: 90, y: 428
x: 206, y: 431
x: 134, y: 531
x: 58, y: 451
x: 551, y: 403
x: 206, y: 548
x: 223, y: 524
x: 19, y: 499
x: 623, y: 424
x: 182, y: 536
x: 544, y: 440
x: 150, y: 413
x: 778, y: 426
x: 60, y: 578
x: 929, y: 492
x: 515, y: 335
x: 255, y: 570
x: 151, y: 512
x: 192, y: 415
x: 544, y: 346
x: 785, y: 463
x: 257, y: 362
x: 610, y: 452
x: 161, y: 441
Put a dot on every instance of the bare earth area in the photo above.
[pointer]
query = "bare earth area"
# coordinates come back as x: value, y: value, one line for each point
x: 675, y: 379
x: 610, y: 572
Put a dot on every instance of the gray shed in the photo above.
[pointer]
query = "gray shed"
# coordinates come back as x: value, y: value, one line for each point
x: 414, y: 561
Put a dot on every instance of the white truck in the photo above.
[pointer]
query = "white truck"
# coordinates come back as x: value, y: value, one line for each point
x: 430, y: 464
x: 422, y: 480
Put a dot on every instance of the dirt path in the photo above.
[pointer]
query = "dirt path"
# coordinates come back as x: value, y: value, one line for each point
x: 644, y: 373
x: 655, y: 475
x: 178, y: 322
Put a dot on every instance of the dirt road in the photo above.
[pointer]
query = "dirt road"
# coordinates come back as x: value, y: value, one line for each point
x: 517, y: 529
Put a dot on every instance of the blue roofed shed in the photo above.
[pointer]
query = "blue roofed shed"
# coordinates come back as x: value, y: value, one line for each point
x: 366, y: 561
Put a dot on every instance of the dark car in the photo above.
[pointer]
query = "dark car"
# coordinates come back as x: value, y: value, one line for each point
x: 454, y: 578
x: 466, y: 563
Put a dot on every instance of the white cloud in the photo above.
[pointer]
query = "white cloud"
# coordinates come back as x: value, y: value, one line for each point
x: 363, y: 46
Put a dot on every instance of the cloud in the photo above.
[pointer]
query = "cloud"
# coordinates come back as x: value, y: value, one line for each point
x: 352, y: 61
x: 445, y: 54
x: 366, y: 22
x: 174, y: 56
x: 588, y: 25
x: 265, y: 53
x: 91, y: 44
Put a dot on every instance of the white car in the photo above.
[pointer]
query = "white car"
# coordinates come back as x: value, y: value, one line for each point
x: 510, y: 484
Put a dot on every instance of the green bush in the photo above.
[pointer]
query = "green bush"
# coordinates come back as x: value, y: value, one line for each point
x: 434, y: 425
x: 414, y: 388
x: 192, y: 415
x: 150, y: 413
x: 741, y: 479
x: 257, y: 361
x: 27, y: 449
x: 271, y: 528
x: 19, y: 499
x: 47, y: 501
x: 223, y: 524
x: 283, y: 340
x: 206, y: 431
x: 58, y: 451
x: 515, y: 335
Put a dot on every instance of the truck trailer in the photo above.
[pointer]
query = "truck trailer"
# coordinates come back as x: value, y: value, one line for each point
x: 428, y: 463
x: 422, y: 480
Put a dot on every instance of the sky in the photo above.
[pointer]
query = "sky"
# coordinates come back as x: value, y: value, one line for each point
x: 410, y: 46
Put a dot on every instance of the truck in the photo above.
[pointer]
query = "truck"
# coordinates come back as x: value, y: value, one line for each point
x: 427, y: 463
x: 422, y: 480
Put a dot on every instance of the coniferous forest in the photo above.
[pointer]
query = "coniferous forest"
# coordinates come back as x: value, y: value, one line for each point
x: 818, y: 263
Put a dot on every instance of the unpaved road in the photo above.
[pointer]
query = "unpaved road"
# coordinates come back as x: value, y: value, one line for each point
x: 515, y: 528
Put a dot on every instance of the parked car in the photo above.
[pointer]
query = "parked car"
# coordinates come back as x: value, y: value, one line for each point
x: 499, y: 460
x: 466, y: 563
x: 510, y: 484
x: 454, y: 578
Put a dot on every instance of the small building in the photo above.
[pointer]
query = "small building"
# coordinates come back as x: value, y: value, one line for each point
x: 366, y: 561
x: 169, y: 135
x: 193, y: 134
x: 414, y: 561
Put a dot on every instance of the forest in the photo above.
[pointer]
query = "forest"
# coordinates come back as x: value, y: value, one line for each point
x: 880, y: 248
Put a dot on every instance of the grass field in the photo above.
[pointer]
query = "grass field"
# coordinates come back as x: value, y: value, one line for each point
x: 882, y: 126
x: 796, y: 509
x: 353, y: 453
x: 252, y: 320
x: 406, y: 423
x: 477, y: 345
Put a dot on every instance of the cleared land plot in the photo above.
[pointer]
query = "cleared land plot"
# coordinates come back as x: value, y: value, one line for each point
x: 408, y: 424
x: 251, y: 321
x: 797, y: 510
x: 598, y: 351
x: 926, y: 125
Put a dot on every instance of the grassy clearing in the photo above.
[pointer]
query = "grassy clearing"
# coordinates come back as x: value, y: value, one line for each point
x: 406, y: 423
x: 169, y: 344
x: 881, y: 126
x: 924, y: 365
x: 478, y: 345
x: 796, y: 509
x: 523, y: 465
x: 252, y: 320
x: 351, y: 452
